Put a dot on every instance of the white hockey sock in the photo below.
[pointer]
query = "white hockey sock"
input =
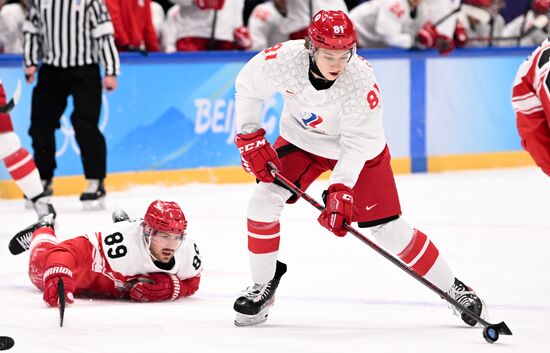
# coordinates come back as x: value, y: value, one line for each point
x: 416, y: 250
x: 22, y: 169
x: 264, y: 210
x: 263, y: 247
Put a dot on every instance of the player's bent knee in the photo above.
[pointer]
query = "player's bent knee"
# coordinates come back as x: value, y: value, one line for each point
x: 267, y: 203
x: 9, y: 144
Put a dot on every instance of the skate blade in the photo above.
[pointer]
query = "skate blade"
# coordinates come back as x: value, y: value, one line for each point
x: 250, y: 320
x: 94, y: 205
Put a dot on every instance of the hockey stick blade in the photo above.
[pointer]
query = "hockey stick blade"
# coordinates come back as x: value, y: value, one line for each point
x: 501, y: 328
x: 6, y: 343
x: 13, y: 101
x: 61, y: 296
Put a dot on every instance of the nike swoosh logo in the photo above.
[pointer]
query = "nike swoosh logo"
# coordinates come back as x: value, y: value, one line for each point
x: 371, y: 207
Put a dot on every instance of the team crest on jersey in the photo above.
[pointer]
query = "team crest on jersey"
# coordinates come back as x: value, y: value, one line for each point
x: 311, y: 120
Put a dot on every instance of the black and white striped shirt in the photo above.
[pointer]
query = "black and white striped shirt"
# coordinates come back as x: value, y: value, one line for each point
x: 70, y: 33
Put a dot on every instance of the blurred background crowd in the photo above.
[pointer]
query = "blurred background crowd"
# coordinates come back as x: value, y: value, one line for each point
x: 195, y: 25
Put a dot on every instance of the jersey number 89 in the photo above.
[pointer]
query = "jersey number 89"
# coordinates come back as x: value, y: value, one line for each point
x: 119, y: 250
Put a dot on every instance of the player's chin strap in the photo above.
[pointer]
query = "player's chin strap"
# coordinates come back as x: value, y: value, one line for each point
x: 490, y: 331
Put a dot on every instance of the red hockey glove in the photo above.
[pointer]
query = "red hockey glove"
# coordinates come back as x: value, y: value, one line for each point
x: 256, y: 152
x: 425, y: 38
x: 158, y: 287
x: 444, y: 44
x: 51, y: 278
x: 242, y: 38
x: 209, y: 4
x: 460, y: 36
x: 338, y: 210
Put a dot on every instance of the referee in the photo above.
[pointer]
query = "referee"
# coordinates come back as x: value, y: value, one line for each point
x: 67, y: 39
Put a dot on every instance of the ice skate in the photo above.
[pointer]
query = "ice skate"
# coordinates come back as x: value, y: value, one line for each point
x: 119, y: 215
x: 467, y: 297
x: 43, y: 206
x: 93, y: 198
x: 253, y: 305
x: 48, y: 192
x: 21, y: 241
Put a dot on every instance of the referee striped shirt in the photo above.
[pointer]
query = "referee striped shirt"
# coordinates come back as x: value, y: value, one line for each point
x: 70, y: 33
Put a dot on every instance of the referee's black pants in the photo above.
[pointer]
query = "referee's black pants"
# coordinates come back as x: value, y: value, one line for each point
x: 49, y: 100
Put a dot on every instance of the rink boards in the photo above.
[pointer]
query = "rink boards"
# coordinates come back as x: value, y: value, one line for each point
x: 171, y: 120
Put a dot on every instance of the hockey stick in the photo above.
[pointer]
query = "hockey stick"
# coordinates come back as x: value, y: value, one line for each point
x: 539, y: 22
x: 447, y: 16
x: 490, y: 331
x: 13, y: 101
x: 469, y: 10
x: 212, y: 40
x: 522, y: 28
x: 61, y: 296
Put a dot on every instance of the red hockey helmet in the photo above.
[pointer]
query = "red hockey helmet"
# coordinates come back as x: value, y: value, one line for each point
x: 332, y: 30
x: 165, y: 216
x: 540, y: 6
x: 479, y: 3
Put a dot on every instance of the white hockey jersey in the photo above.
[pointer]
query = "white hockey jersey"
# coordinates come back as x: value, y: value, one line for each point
x: 121, y: 248
x: 343, y: 122
x: 299, y: 14
x: 12, y: 17
x: 383, y: 23
x: 440, y: 13
x: 531, y: 37
x: 187, y: 20
x: 266, y: 26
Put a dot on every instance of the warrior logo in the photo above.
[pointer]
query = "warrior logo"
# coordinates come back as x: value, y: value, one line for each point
x: 311, y: 120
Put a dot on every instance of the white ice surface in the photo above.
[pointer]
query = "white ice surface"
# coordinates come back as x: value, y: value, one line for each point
x: 493, y: 228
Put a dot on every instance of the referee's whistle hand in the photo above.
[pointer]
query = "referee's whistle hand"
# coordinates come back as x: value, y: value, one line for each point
x: 109, y: 83
x: 29, y: 74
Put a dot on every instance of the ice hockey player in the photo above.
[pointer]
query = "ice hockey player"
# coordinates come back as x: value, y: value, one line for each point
x: 150, y: 259
x: 531, y: 102
x: 21, y: 166
x: 332, y: 120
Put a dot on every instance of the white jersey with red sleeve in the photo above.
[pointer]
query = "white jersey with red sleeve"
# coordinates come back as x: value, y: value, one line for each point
x: 187, y: 20
x: 382, y: 23
x: 531, y: 102
x: 265, y: 26
x: 343, y: 122
x: 299, y: 12
x: 106, y: 262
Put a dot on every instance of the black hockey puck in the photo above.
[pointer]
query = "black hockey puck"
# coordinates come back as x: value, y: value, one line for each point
x: 6, y: 343
x: 490, y: 334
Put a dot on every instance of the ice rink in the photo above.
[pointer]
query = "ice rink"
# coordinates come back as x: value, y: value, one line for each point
x: 493, y: 228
